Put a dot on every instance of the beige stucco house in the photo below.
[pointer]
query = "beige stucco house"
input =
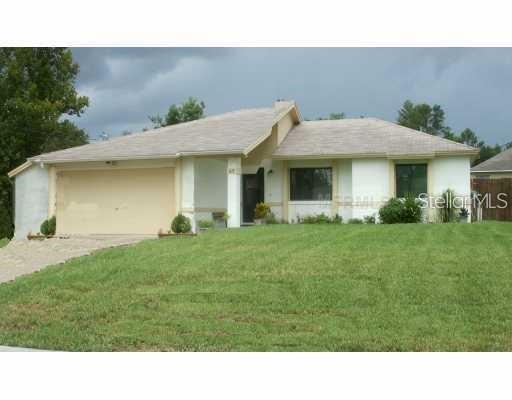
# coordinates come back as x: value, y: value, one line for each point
x: 499, y: 166
x: 226, y: 163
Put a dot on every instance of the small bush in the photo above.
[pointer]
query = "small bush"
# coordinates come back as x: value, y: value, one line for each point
x: 181, y: 224
x: 401, y: 211
x: 369, y: 219
x: 411, y: 211
x: 391, y: 212
x: 464, y: 213
x: 261, y: 211
x: 355, y: 221
x: 320, y: 219
x: 271, y: 219
x: 337, y: 219
x: 49, y: 226
x: 205, y: 224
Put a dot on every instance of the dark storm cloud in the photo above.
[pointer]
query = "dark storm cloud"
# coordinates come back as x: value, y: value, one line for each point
x: 125, y: 85
x: 119, y: 66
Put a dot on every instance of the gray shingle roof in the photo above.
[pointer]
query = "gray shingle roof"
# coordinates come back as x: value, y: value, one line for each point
x: 363, y: 137
x: 500, y: 162
x: 229, y: 133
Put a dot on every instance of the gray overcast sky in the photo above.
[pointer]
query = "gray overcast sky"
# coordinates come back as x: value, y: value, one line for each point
x: 125, y: 85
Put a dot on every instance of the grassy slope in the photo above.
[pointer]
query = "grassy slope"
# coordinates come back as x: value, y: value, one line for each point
x: 351, y: 287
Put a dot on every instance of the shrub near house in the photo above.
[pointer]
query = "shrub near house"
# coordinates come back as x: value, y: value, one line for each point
x: 401, y: 211
x: 181, y: 224
x: 49, y: 227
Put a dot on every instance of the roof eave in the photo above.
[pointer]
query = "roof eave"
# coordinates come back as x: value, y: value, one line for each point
x: 19, y: 169
x: 236, y: 153
x: 490, y: 171
x: 375, y: 155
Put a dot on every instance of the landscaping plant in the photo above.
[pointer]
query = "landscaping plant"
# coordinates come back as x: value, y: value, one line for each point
x: 320, y: 219
x: 463, y: 215
x: 181, y: 224
x: 369, y: 219
x: 49, y: 226
x: 262, y: 211
x: 205, y: 224
x: 411, y: 210
x: 271, y: 219
x: 391, y: 212
x: 355, y: 221
x: 447, y: 209
x: 401, y: 211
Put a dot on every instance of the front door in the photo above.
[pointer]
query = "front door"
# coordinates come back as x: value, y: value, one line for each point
x: 253, y: 192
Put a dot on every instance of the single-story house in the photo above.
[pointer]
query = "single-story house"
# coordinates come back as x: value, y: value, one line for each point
x: 499, y: 166
x: 227, y: 163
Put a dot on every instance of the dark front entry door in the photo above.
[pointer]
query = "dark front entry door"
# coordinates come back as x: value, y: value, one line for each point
x: 253, y: 192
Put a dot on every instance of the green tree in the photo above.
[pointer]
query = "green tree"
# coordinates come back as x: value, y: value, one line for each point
x: 486, y: 152
x: 431, y: 119
x: 332, y: 116
x: 37, y: 91
x: 422, y: 117
x: 335, y: 116
x: 190, y: 110
x: 467, y: 136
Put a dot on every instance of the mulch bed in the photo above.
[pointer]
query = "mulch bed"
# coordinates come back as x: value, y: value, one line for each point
x: 42, y: 237
x: 162, y: 235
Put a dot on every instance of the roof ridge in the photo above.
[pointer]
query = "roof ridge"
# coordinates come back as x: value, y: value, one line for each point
x: 188, y: 123
x: 340, y: 120
x: 161, y: 130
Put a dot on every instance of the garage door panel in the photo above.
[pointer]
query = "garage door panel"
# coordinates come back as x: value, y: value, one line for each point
x: 131, y: 201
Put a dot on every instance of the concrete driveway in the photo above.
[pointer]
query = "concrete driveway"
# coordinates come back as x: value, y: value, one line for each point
x: 21, y: 257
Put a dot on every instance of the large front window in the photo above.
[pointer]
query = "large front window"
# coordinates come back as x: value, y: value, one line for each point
x: 411, y: 179
x: 310, y: 184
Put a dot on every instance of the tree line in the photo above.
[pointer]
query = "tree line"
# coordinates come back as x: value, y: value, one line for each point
x: 431, y: 119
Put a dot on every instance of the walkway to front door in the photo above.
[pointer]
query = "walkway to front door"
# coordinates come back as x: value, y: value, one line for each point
x: 253, y: 192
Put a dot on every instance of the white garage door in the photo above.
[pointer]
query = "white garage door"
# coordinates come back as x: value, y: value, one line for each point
x: 124, y: 201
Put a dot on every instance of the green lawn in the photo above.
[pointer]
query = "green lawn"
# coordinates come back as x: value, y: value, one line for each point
x: 3, y: 242
x: 284, y: 287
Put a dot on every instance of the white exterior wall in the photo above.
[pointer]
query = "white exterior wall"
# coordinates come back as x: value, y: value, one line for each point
x: 451, y: 173
x: 274, y: 186
x: 370, y: 186
x: 234, y: 191
x: 31, y: 196
x: 188, y: 190
x: 345, y: 189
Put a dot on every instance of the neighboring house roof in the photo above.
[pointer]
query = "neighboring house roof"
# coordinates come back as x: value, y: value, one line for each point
x: 234, y: 132
x: 363, y: 137
x: 501, y: 162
